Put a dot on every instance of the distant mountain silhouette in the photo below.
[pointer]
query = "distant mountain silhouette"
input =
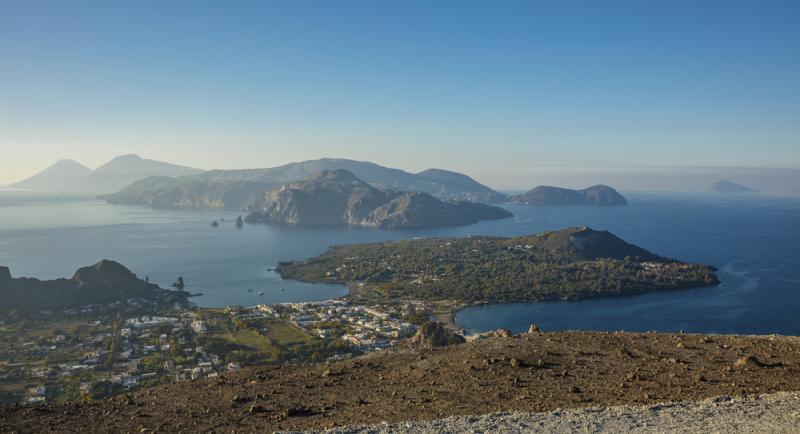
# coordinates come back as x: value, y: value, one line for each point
x: 236, y: 189
x: 71, y: 176
x: 731, y: 187
x: 337, y: 197
x: 64, y: 173
x: 595, y: 195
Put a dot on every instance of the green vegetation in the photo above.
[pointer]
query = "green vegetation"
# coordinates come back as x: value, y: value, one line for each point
x: 568, y: 264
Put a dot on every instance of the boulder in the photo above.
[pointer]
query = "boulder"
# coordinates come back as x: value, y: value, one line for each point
x: 503, y: 333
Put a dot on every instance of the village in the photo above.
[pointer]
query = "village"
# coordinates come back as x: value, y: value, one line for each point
x: 76, y: 355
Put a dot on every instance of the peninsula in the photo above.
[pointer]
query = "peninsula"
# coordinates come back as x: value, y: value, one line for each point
x: 572, y: 263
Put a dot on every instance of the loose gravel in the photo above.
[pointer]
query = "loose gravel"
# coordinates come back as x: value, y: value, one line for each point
x: 768, y: 413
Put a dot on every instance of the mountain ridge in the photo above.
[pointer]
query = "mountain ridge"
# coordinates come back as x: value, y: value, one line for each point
x: 235, y: 189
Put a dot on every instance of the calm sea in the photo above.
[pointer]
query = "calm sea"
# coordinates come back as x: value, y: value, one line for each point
x: 755, y: 241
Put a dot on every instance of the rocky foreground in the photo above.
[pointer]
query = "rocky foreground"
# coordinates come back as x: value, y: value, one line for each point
x: 777, y: 413
x: 533, y: 372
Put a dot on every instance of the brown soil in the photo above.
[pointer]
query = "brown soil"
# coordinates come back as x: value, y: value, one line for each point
x: 530, y: 372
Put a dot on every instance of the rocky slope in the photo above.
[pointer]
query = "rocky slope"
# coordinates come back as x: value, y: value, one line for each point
x: 236, y: 189
x: 533, y: 372
x: 104, y: 282
x: 546, y: 195
x: 337, y: 197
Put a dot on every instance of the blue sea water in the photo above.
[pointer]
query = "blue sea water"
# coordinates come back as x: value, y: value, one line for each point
x: 753, y: 240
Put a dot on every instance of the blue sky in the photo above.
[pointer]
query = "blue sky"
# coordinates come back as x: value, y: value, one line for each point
x: 496, y: 89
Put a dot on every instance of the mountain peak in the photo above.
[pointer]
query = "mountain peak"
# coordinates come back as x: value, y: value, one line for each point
x: 590, y: 244
x: 59, y: 173
x: 103, y: 273
x: 127, y: 157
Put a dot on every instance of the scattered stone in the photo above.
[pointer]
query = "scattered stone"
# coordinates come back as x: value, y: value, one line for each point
x: 240, y: 399
x: 299, y: 412
x: 753, y: 362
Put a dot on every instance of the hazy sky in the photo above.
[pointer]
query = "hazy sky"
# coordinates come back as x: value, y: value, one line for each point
x: 491, y: 88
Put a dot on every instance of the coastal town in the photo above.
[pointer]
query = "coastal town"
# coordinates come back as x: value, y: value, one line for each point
x: 101, y: 350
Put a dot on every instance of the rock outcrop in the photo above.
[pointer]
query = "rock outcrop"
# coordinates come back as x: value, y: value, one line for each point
x: 434, y: 334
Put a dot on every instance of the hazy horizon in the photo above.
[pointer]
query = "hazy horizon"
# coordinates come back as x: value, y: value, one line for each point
x: 513, y: 96
x: 627, y: 178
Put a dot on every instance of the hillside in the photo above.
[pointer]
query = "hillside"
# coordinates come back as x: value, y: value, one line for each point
x: 70, y: 176
x: 103, y: 282
x: 454, y: 181
x: 337, y: 197
x: 524, y: 373
x: 235, y: 189
x: 595, y: 195
x: 572, y: 263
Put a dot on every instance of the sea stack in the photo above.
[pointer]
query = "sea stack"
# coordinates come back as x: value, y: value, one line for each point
x: 5, y: 274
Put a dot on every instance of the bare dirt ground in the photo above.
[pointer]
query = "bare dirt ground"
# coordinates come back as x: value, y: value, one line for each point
x: 777, y: 413
x: 525, y: 373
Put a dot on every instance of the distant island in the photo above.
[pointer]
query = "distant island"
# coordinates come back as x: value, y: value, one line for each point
x: 71, y: 176
x: 101, y: 283
x: 546, y: 195
x: 573, y: 263
x: 237, y: 189
x: 731, y: 187
x: 338, y: 197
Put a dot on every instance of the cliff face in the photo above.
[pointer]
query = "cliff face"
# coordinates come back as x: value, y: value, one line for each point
x: 104, y: 282
x: 595, y: 195
x: 337, y: 197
